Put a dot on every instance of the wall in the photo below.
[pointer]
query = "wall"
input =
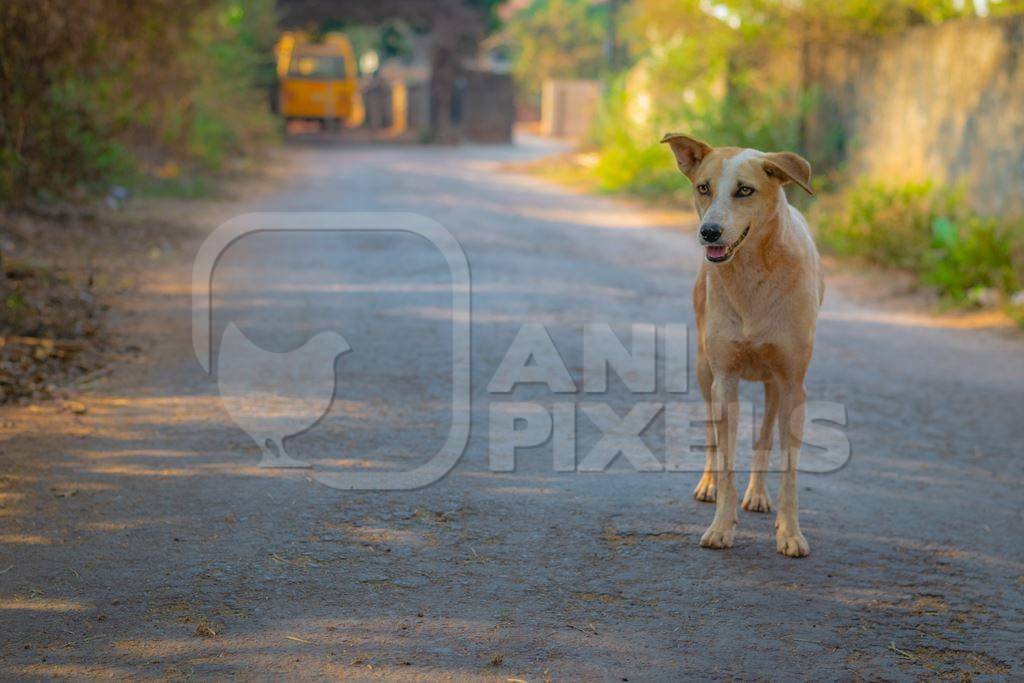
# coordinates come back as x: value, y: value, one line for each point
x: 943, y: 102
x: 483, y: 109
x: 486, y: 106
x: 568, y: 107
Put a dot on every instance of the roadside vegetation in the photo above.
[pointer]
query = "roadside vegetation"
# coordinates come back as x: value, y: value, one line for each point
x: 169, y: 100
x: 154, y: 97
x: 712, y: 69
x: 101, y: 100
x: 928, y: 230
x: 555, y: 38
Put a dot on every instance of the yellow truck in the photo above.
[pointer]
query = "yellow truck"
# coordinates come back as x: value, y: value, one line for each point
x: 317, y: 80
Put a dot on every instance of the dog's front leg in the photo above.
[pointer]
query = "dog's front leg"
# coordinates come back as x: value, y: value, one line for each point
x: 725, y: 406
x: 756, y: 499
x: 705, y: 491
x: 788, y: 538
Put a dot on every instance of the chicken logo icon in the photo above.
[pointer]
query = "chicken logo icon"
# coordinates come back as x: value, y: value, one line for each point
x: 271, y: 395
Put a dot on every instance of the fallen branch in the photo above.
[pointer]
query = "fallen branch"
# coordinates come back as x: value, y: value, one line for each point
x: 65, y: 344
x: 904, y: 653
x: 90, y: 377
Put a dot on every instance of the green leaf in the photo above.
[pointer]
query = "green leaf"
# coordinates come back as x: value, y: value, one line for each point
x: 944, y: 231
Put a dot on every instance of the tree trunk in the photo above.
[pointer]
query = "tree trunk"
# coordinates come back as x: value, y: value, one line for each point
x: 444, y: 72
x: 803, y: 132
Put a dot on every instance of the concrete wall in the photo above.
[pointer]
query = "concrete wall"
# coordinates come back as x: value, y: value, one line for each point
x: 943, y: 102
x: 377, y: 103
x: 568, y: 107
x: 486, y: 104
x: 483, y: 109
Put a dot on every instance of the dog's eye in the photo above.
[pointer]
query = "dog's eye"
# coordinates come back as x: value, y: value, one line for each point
x: 744, y: 191
x: 704, y: 188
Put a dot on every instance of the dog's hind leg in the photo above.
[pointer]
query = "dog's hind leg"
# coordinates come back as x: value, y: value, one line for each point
x: 788, y: 538
x: 756, y: 499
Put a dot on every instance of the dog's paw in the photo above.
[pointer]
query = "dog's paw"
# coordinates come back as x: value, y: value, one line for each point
x: 792, y: 545
x: 757, y: 500
x: 715, y: 537
x: 705, y: 491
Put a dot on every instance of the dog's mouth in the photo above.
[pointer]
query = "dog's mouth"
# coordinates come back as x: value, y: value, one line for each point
x: 718, y: 253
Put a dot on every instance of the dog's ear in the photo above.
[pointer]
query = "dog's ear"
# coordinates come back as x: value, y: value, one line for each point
x: 786, y: 166
x: 688, y: 152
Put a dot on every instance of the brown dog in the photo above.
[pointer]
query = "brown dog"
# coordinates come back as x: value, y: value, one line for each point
x: 756, y: 300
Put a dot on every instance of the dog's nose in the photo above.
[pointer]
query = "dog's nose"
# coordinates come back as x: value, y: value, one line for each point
x: 710, y: 232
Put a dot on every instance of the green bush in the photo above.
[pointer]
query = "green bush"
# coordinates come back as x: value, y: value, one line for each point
x: 975, y: 254
x: 633, y: 161
x: 98, y: 92
x: 554, y: 39
x: 642, y: 170
x: 232, y: 68
x: 927, y: 229
x: 888, y: 225
x: 625, y: 163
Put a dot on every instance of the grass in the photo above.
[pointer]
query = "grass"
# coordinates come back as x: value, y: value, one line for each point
x: 130, y: 90
x: 923, y: 228
x: 927, y: 229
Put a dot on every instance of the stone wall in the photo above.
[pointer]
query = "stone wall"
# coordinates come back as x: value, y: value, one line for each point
x: 944, y: 102
x: 568, y: 107
x: 483, y: 106
x: 486, y: 106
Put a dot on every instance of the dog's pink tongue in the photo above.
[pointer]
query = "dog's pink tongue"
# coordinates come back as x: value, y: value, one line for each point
x: 714, y: 251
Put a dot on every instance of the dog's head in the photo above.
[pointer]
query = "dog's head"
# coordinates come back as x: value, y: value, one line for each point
x: 736, y: 190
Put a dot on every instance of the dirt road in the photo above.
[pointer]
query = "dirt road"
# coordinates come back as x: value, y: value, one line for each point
x: 139, y: 538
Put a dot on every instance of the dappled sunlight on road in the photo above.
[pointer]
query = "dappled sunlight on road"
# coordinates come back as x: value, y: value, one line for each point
x: 42, y: 605
x: 613, y: 218
x: 143, y: 540
x: 82, y: 671
x: 24, y: 539
x: 960, y: 321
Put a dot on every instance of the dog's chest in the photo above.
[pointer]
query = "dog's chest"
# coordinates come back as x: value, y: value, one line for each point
x: 752, y: 349
x: 754, y: 361
x: 744, y: 317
